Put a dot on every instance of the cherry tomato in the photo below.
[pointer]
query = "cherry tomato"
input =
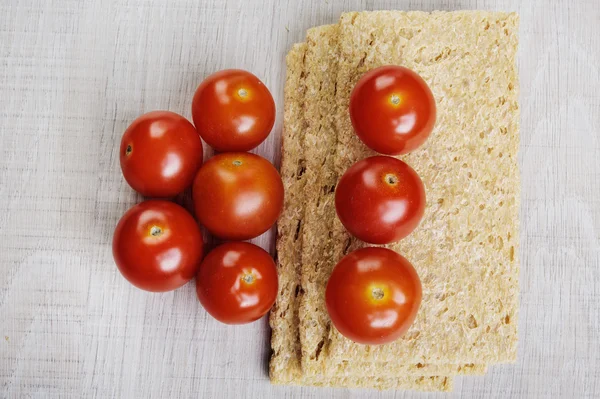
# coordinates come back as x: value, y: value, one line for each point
x: 160, y: 154
x: 392, y: 110
x: 380, y: 200
x: 373, y: 295
x: 237, y: 196
x: 237, y: 283
x: 233, y: 110
x: 157, y: 246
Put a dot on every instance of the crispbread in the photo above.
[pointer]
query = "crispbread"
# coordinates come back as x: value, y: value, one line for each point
x: 465, y: 248
x: 336, y: 342
x: 320, y: 140
x: 284, y: 367
x: 320, y: 145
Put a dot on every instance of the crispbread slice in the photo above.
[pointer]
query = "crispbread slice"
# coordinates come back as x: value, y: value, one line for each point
x: 465, y: 248
x: 320, y: 145
x: 284, y: 366
x: 320, y: 141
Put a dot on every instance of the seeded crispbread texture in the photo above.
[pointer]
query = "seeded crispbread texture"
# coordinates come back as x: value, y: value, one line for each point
x: 284, y: 367
x: 465, y: 249
x: 320, y: 142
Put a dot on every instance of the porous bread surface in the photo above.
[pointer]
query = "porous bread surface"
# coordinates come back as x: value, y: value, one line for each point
x: 284, y: 366
x: 465, y: 249
x: 360, y: 367
x: 414, y: 383
x: 320, y: 142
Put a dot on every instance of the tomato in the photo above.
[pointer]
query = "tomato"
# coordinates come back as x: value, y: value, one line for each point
x: 380, y: 200
x: 237, y: 196
x: 237, y: 283
x: 373, y: 295
x: 392, y: 110
x: 160, y: 154
x: 157, y: 246
x: 233, y: 110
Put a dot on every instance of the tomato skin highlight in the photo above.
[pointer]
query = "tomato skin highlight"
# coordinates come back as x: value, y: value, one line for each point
x: 157, y: 246
x: 392, y: 110
x: 233, y: 110
x: 237, y: 196
x: 160, y: 154
x: 237, y: 283
x: 380, y: 200
x: 373, y: 296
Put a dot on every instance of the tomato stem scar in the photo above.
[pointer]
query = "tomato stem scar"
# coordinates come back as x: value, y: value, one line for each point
x: 237, y: 162
x: 395, y: 99
x: 391, y: 179
x: 155, y: 231
x: 129, y: 149
x: 377, y: 293
x: 242, y: 93
x: 248, y: 278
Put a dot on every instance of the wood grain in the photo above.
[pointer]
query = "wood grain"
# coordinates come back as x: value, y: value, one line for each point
x: 74, y: 74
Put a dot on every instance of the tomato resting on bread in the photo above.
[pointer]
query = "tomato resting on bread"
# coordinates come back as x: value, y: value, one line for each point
x: 392, y: 110
x: 380, y: 199
x: 373, y: 295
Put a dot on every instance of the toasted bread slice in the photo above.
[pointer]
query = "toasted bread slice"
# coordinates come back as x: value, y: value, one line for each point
x: 320, y: 142
x: 284, y: 366
x: 285, y: 361
x: 465, y: 249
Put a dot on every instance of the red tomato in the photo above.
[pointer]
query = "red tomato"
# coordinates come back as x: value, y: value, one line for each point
x: 233, y: 110
x: 157, y: 246
x: 380, y: 200
x: 392, y: 110
x: 237, y: 283
x: 373, y: 295
x: 237, y: 196
x: 160, y: 154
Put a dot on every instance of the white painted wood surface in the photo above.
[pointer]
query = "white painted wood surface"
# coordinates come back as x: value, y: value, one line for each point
x: 73, y: 74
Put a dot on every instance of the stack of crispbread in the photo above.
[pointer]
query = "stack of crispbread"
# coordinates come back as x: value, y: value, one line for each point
x: 465, y: 249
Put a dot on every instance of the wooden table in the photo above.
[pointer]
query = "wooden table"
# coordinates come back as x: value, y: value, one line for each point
x: 74, y: 74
